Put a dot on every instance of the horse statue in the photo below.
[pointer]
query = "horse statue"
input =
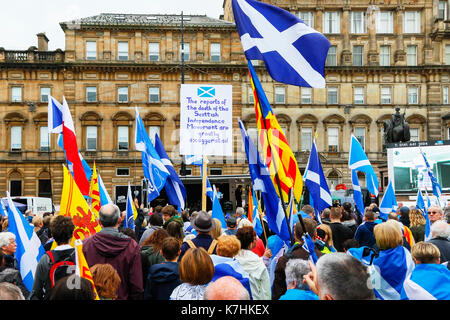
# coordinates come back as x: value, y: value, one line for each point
x: 396, y: 129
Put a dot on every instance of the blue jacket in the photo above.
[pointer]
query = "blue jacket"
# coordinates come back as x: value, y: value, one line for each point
x: 364, y: 234
x: 297, y: 294
x: 201, y: 240
x: 162, y: 279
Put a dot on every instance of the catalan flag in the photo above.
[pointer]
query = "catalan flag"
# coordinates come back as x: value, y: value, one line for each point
x: 276, y: 150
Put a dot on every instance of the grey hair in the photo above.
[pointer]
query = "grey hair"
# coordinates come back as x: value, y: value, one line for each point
x: 240, y: 210
x: 109, y: 215
x: 343, y: 277
x: 4, y: 238
x: 295, y: 270
x: 8, y: 291
x: 440, y: 229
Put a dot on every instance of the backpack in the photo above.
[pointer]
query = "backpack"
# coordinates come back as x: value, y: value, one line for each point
x: 62, y: 265
x: 210, y: 249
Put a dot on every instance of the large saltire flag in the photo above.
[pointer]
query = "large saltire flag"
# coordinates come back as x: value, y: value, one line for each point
x: 420, y: 204
x: 389, y: 202
x: 131, y: 212
x: 82, y: 268
x: 293, y: 52
x: 217, y: 211
x: 437, y: 190
x: 94, y: 193
x: 29, y: 248
x: 276, y: 150
x: 74, y: 205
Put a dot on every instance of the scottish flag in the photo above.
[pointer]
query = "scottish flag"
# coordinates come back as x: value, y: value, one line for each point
x: 217, y: 211
x: 174, y: 187
x: 358, y: 161
x: 317, y: 184
x: 309, y: 246
x: 420, y: 204
x: 104, y: 196
x: 357, y: 195
x: 131, y: 212
x: 257, y: 225
x: 388, y: 203
x: 225, y: 266
x: 428, y: 281
x: 29, y: 248
x: 437, y: 190
x: 293, y: 52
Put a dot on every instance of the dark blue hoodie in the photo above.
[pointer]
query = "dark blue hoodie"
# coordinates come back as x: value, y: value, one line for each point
x: 364, y: 234
x: 162, y: 279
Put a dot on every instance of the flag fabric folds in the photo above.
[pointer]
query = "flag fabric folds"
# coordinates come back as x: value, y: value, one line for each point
x: 87, y: 169
x: 358, y: 161
x: 388, y: 203
x: 29, y: 248
x: 293, y: 52
x: 437, y: 190
x: 276, y: 150
x: 428, y: 281
x: 420, y: 204
x: 94, y: 193
x: 217, y: 211
x: 131, y: 212
x: 175, y: 189
x: 254, y: 213
x: 104, y: 196
x: 82, y: 268
x: 357, y: 194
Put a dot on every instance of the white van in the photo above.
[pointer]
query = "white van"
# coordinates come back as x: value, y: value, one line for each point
x: 37, y: 205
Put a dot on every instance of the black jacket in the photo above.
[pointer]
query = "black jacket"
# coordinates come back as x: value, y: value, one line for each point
x: 340, y: 233
x: 13, y: 276
x: 162, y: 279
x: 444, y: 247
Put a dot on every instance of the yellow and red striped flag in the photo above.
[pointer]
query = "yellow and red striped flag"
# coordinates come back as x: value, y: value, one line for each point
x: 82, y: 269
x: 94, y: 193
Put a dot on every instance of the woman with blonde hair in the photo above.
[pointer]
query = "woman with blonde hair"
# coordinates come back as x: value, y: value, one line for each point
x: 417, y: 225
x: 217, y: 231
x: 324, y: 239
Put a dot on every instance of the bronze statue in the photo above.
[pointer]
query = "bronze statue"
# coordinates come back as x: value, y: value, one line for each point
x: 397, y: 128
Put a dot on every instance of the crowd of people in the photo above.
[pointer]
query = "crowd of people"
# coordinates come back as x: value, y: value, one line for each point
x: 173, y: 255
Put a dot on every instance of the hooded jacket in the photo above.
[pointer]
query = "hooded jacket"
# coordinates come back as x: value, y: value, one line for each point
x: 149, y: 257
x: 162, y: 279
x: 258, y: 274
x: 13, y: 276
x: 123, y: 253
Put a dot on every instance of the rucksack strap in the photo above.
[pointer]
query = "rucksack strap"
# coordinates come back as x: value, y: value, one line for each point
x: 212, y: 246
x: 191, y: 244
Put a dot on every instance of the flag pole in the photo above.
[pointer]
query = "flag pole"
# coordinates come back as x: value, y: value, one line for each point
x: 204, y: 172
x: 260, y: 217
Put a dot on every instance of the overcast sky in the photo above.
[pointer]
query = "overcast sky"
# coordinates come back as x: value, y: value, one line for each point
x: 21, y: 20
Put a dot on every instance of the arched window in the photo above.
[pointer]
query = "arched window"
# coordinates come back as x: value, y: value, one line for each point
x: 417, y: 125
x: 154, y: 122
x: 44, y: 184
x: 361, y: 128
x: 15, y: 183
x: 91, y: 123
x: 334, y: 178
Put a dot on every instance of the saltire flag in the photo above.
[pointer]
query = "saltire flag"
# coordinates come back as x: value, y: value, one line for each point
x: 82, y: 268
x: 293, y: 52
x: 420, y: 204
x: 104, y: 196
x: 309, y: 246
x: 437, y: 190
x: 94, y: 193
x: 198, y: 161
x: 154, y: 169
x: 428, y: 281
x: 357, y: 194
x: 317, y: 184
x: 60, y: 121
x: 175, y: 189
x: 217, y: 211
x: 358, y: 161
x: 253, y: 212
x: 388, y: 203
x: 29, y: 248
x: 131, y: 212
x: 261, y: 181
x: 291, y: 209
x: 87, y: 169
x: 275, y: 148
x: 2, y: 210
x: 74, y: 205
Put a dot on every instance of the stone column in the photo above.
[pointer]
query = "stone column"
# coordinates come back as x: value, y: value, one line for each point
x: 346, y: 55
x: 372, y: 57
x: 107, y: 45
x: 138, y: 54
x: 399, y: 54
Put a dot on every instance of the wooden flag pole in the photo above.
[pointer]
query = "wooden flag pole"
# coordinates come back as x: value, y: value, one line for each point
x: 204, y: 173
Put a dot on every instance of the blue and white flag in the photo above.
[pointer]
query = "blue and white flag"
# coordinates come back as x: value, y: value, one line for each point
x: 293, y: 52
x: 420, y: 204
x: 428, y: 281
x: 217, y: 211
x: 29, y: 248
x: 309, y: 246
x: 255, y: 215
x: 131, y: 212
x: 357, y: 194
x: 104, y: 196
x: 225, y: 266
x: 317, y: 184
x: 358, y: 161
x: 388, y: 203
x: 175, y: 189
x: 155, y: 171
x: 437, y: 190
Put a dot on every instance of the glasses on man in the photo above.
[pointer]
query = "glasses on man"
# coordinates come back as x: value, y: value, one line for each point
x: 433, y: 212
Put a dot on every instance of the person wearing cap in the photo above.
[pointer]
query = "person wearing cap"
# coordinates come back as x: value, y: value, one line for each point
x: 203, y: 224
x: 231, y: 226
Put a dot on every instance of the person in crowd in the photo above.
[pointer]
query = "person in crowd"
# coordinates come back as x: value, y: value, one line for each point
x: 5, y: 225
x: 164, y: 277
x: 231, y: 226
x: 429, y: 280
x: 238, y: 196
x: 185, y: 216
x: 226, y: 288
x: 123, y: 253
x: 417, y: 225
x: 253, y: 265
x: 130, y: 232
x: 339, y: 232
x: 169, y: 214
x: 440, y: 233
x: 45, y: 276
x: 29, y: 215
x: 350, y: 243
x: 156, y: 222
x: 325, y: 216
x: 196, y: 271
x: 239, y: 215
x: 189, y: 230
x: 276, y: 248
x: 8, y: 246
x: 404, y: 216
x: 106, y: 281
x: 13, y: 276
x: 151, y: 252
x: 217, y: 231
x: 297, y: 289
x: 203, y: 224
x: 174, y: 230
x: 348, y: 217
x: 72, y: 287
x: 364, y: 234
x: 9, y: 291
x: 260, y: 248
x: 339, y: 276
x: 324, y: 239
x: 307, y: 212
x: 408, y: 239
x: 38, y: 223
x: 434, y: 214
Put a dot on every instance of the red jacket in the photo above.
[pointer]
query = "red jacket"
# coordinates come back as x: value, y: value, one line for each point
x: 259, y: 249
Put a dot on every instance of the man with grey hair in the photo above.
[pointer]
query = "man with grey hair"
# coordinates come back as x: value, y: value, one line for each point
x: 122, y: 252
x: 434, y: 214
x: 339, y: 276
x: 240, y: 214
x: 8, y: 291
x: 226, y: 288
x: 8, y: 246
x: 297, y: 289
x: 440, y: 233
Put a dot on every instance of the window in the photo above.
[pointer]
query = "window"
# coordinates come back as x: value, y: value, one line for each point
x: 184, y: 48
x: 123, y: 50
x: 413, y: 95
x: 414, y: 134
x: 306, y: 135
x: 16, y: 94
x: 445, y: 95
x: 215, y: 52
x: 332, y: 95
x: 91, y: 138
x: 358, y: 22
x: 333, y: 139
x: 442, y: 10
x: 91, y: 94
x: 91, y: 50
x: 153, y: 51
x: 45, y: 92
x: 280, y: 95
x: 385, y: 22
x: 358, y: 55
x: 360, y: 135
x: 123, y: 172
x: 358, y: 95
x: 385, y: 56
x: 15, y: 188
x: 122, y: 134
x: 16, y: 138
x: 331, y: 22
x: 306, y: 95
x: 215, y: 171
x: 331, y: 56
x: 153, y: 94
x: 307, y: 17
x: 152, y: 131
x: 411, y: 55
x: 122, y: 94
x: 44, y: 144
x: 187, y: 172
x: 447, y: 54
x: 411, y: 22
x: 45, y: 188
x: 386, y: 95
